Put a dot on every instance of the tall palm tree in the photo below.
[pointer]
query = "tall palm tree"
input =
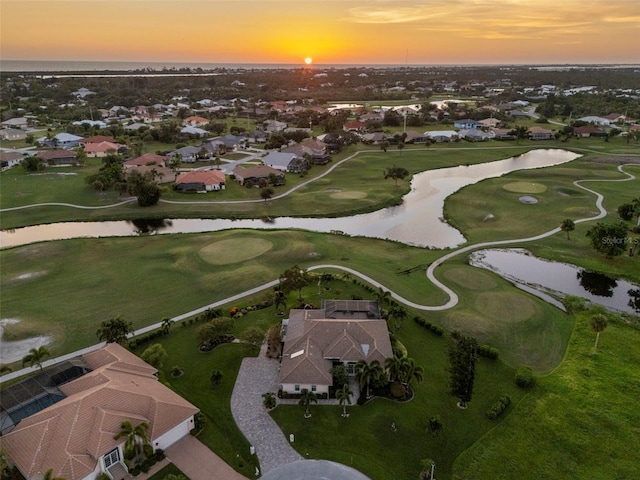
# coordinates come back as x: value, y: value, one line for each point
x: 306, y: 399
x: 368, y: 373
x: 394, y: 366
x: 598, y: 324
x: 398, y: 313
x: 344, y: 397
x: 382, y: 296
x: 166, y: 325
x: 35, y: 356
x: 567, y: 225
x: 137, y: 440
x: 411, y: 372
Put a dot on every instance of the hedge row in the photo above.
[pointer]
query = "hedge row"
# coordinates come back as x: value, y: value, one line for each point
x: 487, y: 351
x: 439, y: 331
x: 498, y: 408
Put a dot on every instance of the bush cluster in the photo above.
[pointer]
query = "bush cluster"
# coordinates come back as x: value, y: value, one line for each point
x: 498, y: 408
x: 141, y: 340
x: 487, y: 351
x: 525, y: 377
x: 439, y: 331
x: 296, y: 396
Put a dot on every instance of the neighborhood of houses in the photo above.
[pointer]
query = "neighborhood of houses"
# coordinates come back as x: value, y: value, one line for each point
x: 68, y: 417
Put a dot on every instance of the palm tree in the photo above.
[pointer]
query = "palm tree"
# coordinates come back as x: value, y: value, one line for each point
x: 411, y: 371
x: 567, y: 226
x: 382, y: 296
x: 306, y: 399
x: 368, y: 373
x: 598, y: 324
x: 394, y: 366
x: 166, y: 325
x: 344, y: 397
x: 35, y: 356
x: 398, y: 313
x: 137, y: 440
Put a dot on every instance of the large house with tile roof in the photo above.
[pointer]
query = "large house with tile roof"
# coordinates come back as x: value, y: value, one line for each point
x: 75, y: 436
x: 341, y: 332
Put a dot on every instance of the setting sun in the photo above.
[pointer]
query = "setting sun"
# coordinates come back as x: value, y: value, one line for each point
x: 308, y: 60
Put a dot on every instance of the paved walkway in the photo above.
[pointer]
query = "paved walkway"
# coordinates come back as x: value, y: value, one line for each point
x: 198, y: 462
x: 257, y: 376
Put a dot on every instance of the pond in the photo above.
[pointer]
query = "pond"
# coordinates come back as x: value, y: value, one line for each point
x: 552, y: 280
x: 417, y: 221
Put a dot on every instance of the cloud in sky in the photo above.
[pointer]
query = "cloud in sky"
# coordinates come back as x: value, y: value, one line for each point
x: 330, y: 31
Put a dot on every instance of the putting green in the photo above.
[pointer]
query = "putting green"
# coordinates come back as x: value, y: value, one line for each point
x: 470, y: 278
x: 506, y: 307
x: 234, y: 250
x: 525, y: 187
x: 349, y: 195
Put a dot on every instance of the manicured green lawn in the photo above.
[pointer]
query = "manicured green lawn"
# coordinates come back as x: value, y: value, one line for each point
x: 170, y: 469
x: 366, y: 439
x: 581, y: 421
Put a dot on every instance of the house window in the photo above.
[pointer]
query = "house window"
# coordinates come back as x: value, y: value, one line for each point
x: 314, y: 388
x: 112, y: 457
x: 297, y: 388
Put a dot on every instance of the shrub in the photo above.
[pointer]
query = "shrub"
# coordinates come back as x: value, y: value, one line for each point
x: 487, y: 351
x: 439, y: 331
x: 269, y: 400
x: 397, y: 390
x: 159, y: 454
x: 498, y: 408
x: 135, y: 471
x: 525, y: 377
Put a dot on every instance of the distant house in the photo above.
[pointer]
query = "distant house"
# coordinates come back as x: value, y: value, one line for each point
x: 200, y: 181
x: 273, y: 126
x: 9, y: 159
x: 539, y: 133
x: 58, y: 157
x: 194, y: 121
x: 97, y: 139
x: 415, y: 137
x: 102, y: 149
x: 82, y: 92
x: 252, y: 176
x: 441, y: 136
x: 188, y: 154
x: 74, y: 437
x: 466, y: 124
x: 10, y: 134
x: 489, y: 122
x: 159, y: 174
x: 61, y: 140
x: 91, y: 123
x: 602, y: 121
x: 503, y: 134
x: 16, y: 122
x: 341, y: 332
x: 354, y: 126
x: 474, y: 135
x: 146, y: 159
x: 374, y: 138
x: 589, y: 131
x: 190, y: 131
x: 285, y: 162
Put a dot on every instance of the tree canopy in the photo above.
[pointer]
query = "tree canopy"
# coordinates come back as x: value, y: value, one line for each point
x: 609, y: 239
x: 295, y: 278
x: 462, y: 363
x: 396, y: 173
x: 115, y: 330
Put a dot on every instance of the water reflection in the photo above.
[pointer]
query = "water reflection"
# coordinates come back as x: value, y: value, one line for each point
x: 417, y: 221
x: 543, y: 278
x: 149, y: 226
x: 597, y: 283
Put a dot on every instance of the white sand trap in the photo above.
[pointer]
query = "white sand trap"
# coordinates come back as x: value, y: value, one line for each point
x: 29, y: 275
x: 15, y: 351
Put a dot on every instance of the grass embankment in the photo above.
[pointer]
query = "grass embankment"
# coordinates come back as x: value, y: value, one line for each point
x: 581, y: 421
x: 356, y: 186
x: 66, y: 289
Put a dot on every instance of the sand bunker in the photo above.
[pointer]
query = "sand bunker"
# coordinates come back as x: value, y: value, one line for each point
x: 528, y: 199
x: 525, y: 187
x: 16, y: 350
x: 234, y: 250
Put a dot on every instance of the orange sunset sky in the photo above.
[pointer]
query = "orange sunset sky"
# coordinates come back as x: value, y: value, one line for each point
x: 329, y: 31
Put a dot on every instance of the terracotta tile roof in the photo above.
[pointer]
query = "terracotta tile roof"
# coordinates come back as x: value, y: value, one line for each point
x: 147, y: 159
x: 206, y: 177
x: 105, y: 146
x: 71, y: 435
x: 313, y: 340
